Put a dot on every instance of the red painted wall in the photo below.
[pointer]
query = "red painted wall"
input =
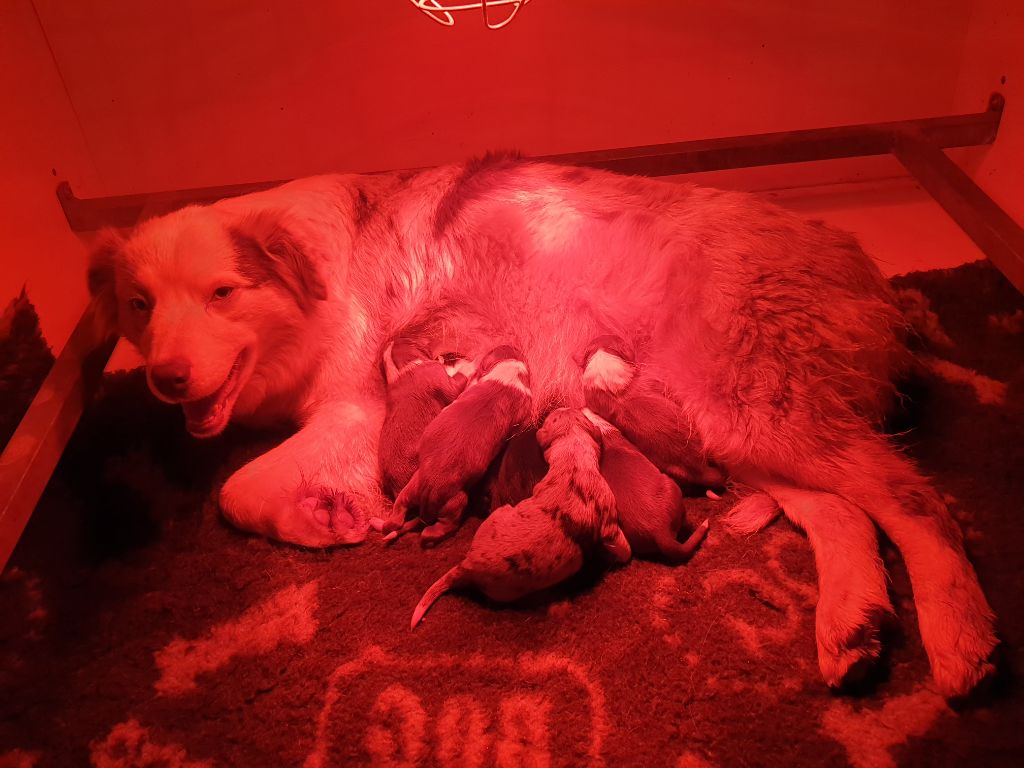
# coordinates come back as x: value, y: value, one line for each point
x: 213, y: 91
x: 151, y: 95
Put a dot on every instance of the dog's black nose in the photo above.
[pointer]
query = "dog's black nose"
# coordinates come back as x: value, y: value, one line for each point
x: 171, y: 377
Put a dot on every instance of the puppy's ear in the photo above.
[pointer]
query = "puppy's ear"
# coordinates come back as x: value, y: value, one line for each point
x: 266, y: 250
x: 388, y: 364
x: 100, y: 276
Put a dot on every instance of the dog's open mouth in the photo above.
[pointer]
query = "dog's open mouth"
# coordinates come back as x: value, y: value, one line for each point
x: 208, y: 416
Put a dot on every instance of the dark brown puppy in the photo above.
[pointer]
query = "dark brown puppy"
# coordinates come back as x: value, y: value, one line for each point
x: 419, y: 388
x: 650, y: 504
x: 637, y: 403
x: 460, y: 443
x: 522, y: 466
x: 542, y: 540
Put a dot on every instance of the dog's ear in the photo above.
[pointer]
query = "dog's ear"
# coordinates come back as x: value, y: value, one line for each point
x: 100, y: 276
x: 266, y: 250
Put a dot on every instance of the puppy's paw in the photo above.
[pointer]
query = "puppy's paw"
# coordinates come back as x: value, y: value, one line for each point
x: 437, y: 532
x: 394, y: 524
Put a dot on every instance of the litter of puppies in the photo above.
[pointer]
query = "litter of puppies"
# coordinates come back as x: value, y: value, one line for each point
x: 576, y: 488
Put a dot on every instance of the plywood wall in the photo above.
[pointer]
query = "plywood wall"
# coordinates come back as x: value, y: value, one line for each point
x: 40, y: 141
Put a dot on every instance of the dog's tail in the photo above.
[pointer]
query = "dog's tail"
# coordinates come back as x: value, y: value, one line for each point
x: 451, y: 579
x: 677, y: 553
x: 923, y: 322
x: 752, y: 513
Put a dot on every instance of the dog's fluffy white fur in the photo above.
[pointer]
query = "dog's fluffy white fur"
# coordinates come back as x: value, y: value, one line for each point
x: 779, y: 337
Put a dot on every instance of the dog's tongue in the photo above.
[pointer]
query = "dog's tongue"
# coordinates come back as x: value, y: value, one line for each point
x: 199, y: 411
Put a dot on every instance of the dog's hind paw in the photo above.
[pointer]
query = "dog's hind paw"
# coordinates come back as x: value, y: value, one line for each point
x: 958, y: 677
x: 959, y: 636
x: 849, y: 649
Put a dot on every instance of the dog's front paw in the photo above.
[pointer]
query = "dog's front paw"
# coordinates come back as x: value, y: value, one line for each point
x: 310, y: 516
x: 336, y: 517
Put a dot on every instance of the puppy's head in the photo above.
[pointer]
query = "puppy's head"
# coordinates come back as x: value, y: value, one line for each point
x: 401, y: 355
x: 566, y: 422
x: 216, y: 303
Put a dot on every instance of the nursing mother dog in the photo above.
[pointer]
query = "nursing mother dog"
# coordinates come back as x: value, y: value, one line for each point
x: 778, y: 338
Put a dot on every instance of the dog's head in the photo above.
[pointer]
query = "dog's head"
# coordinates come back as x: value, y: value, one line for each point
x: 215, y: 303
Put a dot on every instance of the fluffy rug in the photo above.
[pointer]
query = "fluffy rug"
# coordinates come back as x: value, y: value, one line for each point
x: 138, y: 629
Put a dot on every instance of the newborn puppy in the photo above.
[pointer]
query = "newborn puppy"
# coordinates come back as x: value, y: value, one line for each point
x: 522, y: 466
x: 515, y: 551
x: 637, y: 403
x: 460, y: 443
x: 542, y: 540
x: 574, y: 487
x: 650, y: 504
x: 419, y: 387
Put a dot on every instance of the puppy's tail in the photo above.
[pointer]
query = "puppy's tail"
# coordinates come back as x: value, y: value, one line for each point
x: 677, y: 553
x: 451, y: 579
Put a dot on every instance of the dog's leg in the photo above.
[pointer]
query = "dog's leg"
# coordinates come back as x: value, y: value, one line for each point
x: 852, y: 597
x: 956, y: 622
x: 319, y: 487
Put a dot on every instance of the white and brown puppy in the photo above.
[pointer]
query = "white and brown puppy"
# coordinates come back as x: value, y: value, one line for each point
x: 650, y: 505
x: 460, y: 443
x: 544, y: 539
x: 638, y: 405
x: 419, y: 388
x: 517, y: 551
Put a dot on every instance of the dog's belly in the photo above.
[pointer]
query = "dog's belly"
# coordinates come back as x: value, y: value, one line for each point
x: 766, y: 326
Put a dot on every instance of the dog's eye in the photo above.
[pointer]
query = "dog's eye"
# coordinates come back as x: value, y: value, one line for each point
x: 138, y: 304
x: 223, y: 292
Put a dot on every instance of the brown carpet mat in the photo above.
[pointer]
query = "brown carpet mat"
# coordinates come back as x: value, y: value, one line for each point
x: 138, y: 629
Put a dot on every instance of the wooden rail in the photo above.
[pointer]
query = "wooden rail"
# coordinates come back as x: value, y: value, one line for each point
x: 35, y: 448
x: 30, y: 457
x: 653, y: 160
x: 998, y: 236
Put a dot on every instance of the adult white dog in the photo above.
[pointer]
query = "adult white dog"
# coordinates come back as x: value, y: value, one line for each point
x: 778, y: 337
